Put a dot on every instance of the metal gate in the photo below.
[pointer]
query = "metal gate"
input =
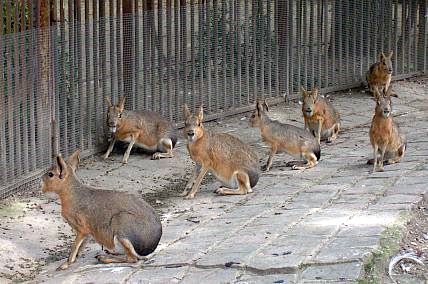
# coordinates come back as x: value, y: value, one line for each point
x: 58, y: 59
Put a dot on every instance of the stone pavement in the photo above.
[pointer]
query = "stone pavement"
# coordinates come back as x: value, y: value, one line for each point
x: 315, y: 226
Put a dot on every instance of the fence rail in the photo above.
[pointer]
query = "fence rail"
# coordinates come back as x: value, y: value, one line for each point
x: 58, y: 59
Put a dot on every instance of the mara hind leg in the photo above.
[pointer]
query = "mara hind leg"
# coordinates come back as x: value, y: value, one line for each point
x: 243, y: 186
x: 166, y: 146
x: 272, y: 153
x: 398, y: 155
x: 334, y: 133
x: 311, y: 162
x: 130, y: 256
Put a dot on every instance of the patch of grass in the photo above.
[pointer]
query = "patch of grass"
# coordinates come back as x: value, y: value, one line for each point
x: 377, y: 266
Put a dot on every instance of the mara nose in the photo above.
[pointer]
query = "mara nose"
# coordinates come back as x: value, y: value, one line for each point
x: 390, y: 70
x: 308, y: 110
x: 191, y: 133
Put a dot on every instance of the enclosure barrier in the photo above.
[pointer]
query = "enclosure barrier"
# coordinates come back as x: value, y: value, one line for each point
x: 59, y: 59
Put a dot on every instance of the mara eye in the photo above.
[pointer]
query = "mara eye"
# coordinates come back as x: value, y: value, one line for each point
x: 50, y: 174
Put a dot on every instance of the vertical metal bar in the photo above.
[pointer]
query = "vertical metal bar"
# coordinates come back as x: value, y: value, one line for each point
x: 90, y: 116
x: 169, y: 51
x: 304, y: 42
x: 201, y: 52
x: 153, y: 82
x: 136, y: 66
x: 340, y: 43
x: 255, y: 41
x: 319, y: 31
x: 3, y: 175
x: 8, y: 92
x: 119, y: 49
x: 224, y: 51
x: 32, y: 117
x: 326, y: 42
x: 422, y: 40
x: 348, y: 36
x: 215, y: 56
x: 415, y: 25
x: 232, y: 49
x: 311, y: 42
x: 269, y: 47
x: 403, y: 33
x: 160, y: 57
x: 178, y: 39
x: 25, y: 114
x: 103, y: 59
x: 238, y: 51
x: 207, y: 40
x: 81, y: 116
x: 98, y: 114
x: 112, y: 58
x: 144, y: 58
x: 192, y: 48
x: 395, y: 32
x: 299, y: 13
x: 183, y: 26
x: 354, y: 41
x: 290, y: 48
x: 278, y: 84
x: 17, y: 89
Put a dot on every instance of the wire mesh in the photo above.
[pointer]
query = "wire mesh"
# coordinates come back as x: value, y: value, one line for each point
x: 161, y: 54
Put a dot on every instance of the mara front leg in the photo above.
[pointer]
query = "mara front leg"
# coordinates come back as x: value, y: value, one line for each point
x: 128, y: 150
x: 77, y: 246
x: 318, y: 136
x: 375, y: 159
x: 110, y: 148
x: 197, y: 183
x: 191, y: 180
x: 272, y: 153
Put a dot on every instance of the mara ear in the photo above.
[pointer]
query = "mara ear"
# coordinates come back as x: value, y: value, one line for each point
x: 108, y: 101
x: 315, y: 92
x: 186, y: 111
x: 201, y: 113
x: 265, y: 105
x: 73, y: 160
x: 121, y: 104
x: 382, y: 57
x: 62, y: 166
x: 303, y: 91
x: 390, y: 54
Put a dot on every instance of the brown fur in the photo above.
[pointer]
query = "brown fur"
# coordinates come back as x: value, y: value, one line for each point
x: 285, y: 137
x: 106, y: 215
x: 145, y: 129
x: 228, y: 158
x: 385, y: 136
x: 380, y: 73
x: 321, y: 118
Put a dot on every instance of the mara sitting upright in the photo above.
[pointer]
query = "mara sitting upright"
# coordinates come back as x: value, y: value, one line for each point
x: 321, y: 118
x: 114, y: 219
x: 144, y: 129
x: 389, y: 144
x: 380, y: 73
x: 232, y: 161
x: 287, y: 138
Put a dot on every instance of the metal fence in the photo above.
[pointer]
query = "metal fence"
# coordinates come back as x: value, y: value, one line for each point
x: 58, y: 59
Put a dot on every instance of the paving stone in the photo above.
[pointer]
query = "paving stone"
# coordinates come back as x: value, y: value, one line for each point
x: 334, y: 272
x: 400, y: 199
x: 249, y: 278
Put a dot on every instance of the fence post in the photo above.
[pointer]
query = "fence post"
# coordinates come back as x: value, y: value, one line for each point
x: 422, y: 50
x: 42, y: 92
x: 128, y: 55
x: 281, y: 19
